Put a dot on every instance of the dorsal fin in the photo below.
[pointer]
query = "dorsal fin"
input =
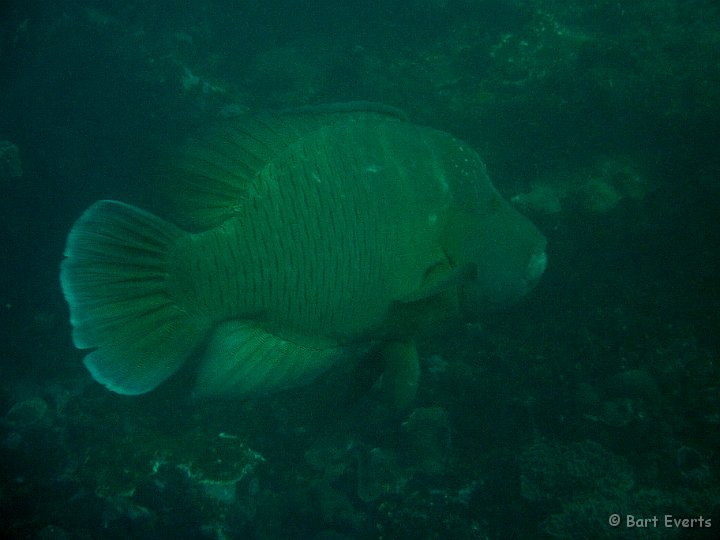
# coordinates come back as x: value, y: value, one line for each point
x: 335, y: 109
x: 208, y: 178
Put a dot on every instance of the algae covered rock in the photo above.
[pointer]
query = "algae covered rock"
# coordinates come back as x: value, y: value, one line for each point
x: 379, y: 474
x: 554, y: 471
x: 27, y: 412
x: 425, y: 438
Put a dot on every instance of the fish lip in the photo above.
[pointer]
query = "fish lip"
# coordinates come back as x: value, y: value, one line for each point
x: 536, y: 268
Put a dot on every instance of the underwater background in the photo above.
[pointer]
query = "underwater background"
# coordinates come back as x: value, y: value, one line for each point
x: 595, y: 399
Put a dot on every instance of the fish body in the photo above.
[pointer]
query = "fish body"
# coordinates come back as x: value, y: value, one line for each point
x: 313, y: 234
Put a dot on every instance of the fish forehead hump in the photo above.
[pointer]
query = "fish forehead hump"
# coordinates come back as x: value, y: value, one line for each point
x: 434, y: 168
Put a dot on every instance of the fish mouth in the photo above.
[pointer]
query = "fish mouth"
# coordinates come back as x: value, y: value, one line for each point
x: 512, y: 292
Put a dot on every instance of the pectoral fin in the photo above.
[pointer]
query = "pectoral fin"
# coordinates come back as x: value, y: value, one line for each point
x: 439, y: 279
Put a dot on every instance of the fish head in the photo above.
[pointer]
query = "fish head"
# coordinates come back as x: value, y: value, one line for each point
x: 505, y: 249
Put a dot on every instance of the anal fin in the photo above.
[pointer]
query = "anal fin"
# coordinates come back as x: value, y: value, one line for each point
x: 243, y: 359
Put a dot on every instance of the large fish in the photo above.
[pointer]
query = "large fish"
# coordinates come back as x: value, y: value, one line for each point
x: 316, y: 234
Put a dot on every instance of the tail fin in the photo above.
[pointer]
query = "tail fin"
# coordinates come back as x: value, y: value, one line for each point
x: 115, y: 280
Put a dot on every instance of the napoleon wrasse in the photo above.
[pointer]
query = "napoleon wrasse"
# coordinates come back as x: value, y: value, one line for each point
x: 316, y: 233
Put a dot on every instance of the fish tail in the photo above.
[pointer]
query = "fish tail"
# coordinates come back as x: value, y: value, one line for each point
x: 115, y: 278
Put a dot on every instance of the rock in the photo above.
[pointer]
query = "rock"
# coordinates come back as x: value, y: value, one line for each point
x: 10, y: 164
x: 541, y: 198
x: 379, y: 474
x: 26, y: 413
x: 426, y: 439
